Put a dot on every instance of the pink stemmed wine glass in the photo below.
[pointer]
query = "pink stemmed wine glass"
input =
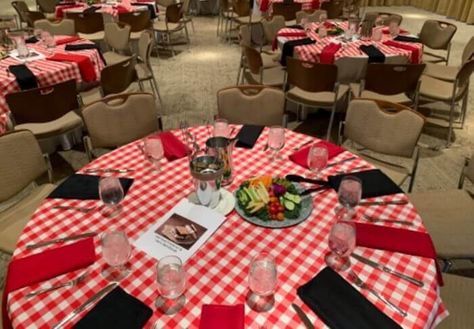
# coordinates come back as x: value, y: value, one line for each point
x: 154, y: 152
x: 276, y: 140
x: 342, y: 240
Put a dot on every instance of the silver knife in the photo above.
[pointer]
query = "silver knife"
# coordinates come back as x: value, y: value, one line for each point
x: 108, y: 170
x: 387, y: 269
x: 339, y: 162
x: 60, y: 240
x: 303, y: 317
x: 382, y: 203
x: 88, y: 302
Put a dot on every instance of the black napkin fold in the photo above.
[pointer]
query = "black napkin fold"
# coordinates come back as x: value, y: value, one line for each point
x: 340, y: 305
x: 151, y: 8
x: 248, y: 135
x: 375, y: 55
x: 32, y: 39
x: 91, y: 9
x: 289, y: 47
x: 374, y: 183
x: 84, y: 187
x: 405, y: 38
x: 296, y: 26
x: 117, y: 310
x: 25, y: 78
x: 84, y: 46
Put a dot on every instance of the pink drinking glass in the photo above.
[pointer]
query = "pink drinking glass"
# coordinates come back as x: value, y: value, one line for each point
x: 342, y: 240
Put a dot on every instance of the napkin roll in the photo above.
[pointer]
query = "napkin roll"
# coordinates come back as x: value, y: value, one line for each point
x: 24, y: 77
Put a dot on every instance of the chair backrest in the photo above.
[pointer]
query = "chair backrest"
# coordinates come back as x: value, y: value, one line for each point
x: 287, y: 10
x: 117, y: 35
x: 313, y: 17
x: 120, y: 119
x: 350, y: 69
x: 333, y: 8
x: 310, y: 76
x: 63, y: 27
x: 392, y: 79
x: 47, y: 6
x: 32, y: 17
x: 174, y: 13
x: 437, y: 34
x: 254, y: 59
x: 257, y: 105
x: 252, y: 35
x: 225, y: 5
x: 87, y: 22
x: 186, y: 4
x: 464, y: 76
x: 43, y: 104
x: 468, y: 52
x: 241, y: 8
x: 271, y: 27
x: 21, y: 9
x: 145, y: 47
x: 387, y: 18
x: 138, y: 20
x: 21, y: 162
x: 117, y: 77
x: 395, y: 132
x: 469, y: 170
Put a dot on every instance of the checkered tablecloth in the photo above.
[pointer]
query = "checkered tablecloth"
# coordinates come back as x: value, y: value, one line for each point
x: 105, y: 8
x: 311, y: 52
x: 217, y: 273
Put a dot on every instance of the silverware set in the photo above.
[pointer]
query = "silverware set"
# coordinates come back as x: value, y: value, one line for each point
x: 61, y: 240
x: 108, y: 170
x: 375, y: 219
x: 84, y: 210
x: 383, y: 203
x: 340, y: 162
x: 70, y: 283
x: 351, y: 170
x: 302, y: 145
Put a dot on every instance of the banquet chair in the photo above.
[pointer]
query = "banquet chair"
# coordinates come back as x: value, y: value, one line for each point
x: 21, y: 164
x: 450, y: 93
x: 448, y: 73
x: 286, y: 9
x: 116, y: 37
x: 387, y: 18
x: 333, y: 8
x: 143, y: 67
x: 21, y: 9
x: 173, y: 23
x: 256, y: 73
x: 118, y: 120
x: 457, y: 295
x: 437, y: 35
x: 250, y: 104
x: 187, y: 18
x: 448, y: 217
x: 32, y: 17
x: 139, y: 21
x: 47, y: 7
x: 270, y: 30
x: 88, y: 26
x: 315, y: 85
x: 49, y: 112
x: 310, y: 17
x: 63, y: 27
x: 224, y: 16
x: 395, y: 83
x: 241, y: 14
x: 384, y: 134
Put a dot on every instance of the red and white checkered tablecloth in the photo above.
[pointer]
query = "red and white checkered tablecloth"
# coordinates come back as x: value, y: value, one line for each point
x: 217, y: 273
x: 104, y: 8
x: 311, y: 52
x: 47, y: 73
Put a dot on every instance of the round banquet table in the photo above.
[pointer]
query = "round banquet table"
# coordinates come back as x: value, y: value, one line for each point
x: 105, y: 8
x: 46, y: 72
x: 217, y: 272
x: 351, y: 61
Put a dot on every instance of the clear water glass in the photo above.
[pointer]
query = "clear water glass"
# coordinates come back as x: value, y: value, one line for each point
x: 116, y: 250
x: 394, y: 29
x: 171, y: 279
x: 154, y: 152
x: 342, y: 240
x: 111, y: 194
x: 221, y: 128
x: 317, y: 158
x: 263, y: 274
x: 350, y: 193
x: 323, y: 17
x: 276, y: 140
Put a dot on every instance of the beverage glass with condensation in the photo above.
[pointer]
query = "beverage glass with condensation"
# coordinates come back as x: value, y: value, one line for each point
x: 171, y: 279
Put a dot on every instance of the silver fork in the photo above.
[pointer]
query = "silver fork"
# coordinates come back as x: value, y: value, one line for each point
x: 361, y: 284
x: 81, y: 209
x: 374, y: 219
x: 70, y: 283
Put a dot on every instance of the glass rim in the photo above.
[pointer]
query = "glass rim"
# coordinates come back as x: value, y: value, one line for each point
x: 170, y: 257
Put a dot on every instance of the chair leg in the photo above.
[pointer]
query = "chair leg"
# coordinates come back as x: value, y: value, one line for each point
x: 464, y: 108
x: 155, y: 87
x: 88, y: 147
x: 140, y: 85
x: 331, y: 120
x: 451, y: 119
x: 239, y: 70
x: 219, y: 17
x: 188, y: 41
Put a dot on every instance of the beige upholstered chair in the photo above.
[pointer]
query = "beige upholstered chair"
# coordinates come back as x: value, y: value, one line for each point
x: 21, y: 164
x: 47, y: 6
x: 173, y: 23
x: 32, y: 17
x: 449, y: 218
x: 49, y: 112
x: 270, y: 30
x: 63, y: 27
x: 117, y: 37
x: 143, y: 67
x: 187, y: 18
x: 451, y: 93
x: 395, y: 83
x: 88, y: 26
x: 386, y: 129
x: 314, y: 85
x: 256, y: 73
x: 120, y: 119
x: 139, y: 21
x: 310, y: 17
x: 241, y: 14
x: 457, y: 295
x: 250, y: 104
x: 437, y: 35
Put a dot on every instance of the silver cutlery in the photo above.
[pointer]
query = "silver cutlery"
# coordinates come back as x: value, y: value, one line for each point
x: 61, y: 240
x: 70, y: 283
x: 88, y: 302
x: 374, y: 219
x: 387, y: 270
x: 265, y: 147
x: 383, y: 203
x: 339, y: 162
x: 302, y: 145
x: 81, y: 209
x: 108, y: 170
x: 303, y: 317
x: 351, y: 170
x: 361, y: 284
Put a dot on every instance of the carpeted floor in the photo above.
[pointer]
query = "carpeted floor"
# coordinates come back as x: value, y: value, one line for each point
x: 189, y: 82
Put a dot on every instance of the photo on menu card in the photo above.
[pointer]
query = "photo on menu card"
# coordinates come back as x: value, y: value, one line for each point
x: 181, y: 230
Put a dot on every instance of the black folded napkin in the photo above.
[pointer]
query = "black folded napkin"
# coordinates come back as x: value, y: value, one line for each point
x: 374, y: 183
x: 25, y: 78
x: 151, y: 8
x: 289, y: 47
x: 91, y: 10
x: 248, y: 135
x: 84, y: 187
x: 296, y: 26
x: 375, y: 55
x: 84, y: 46
x: 117, y: 310
x: 32, y: 39
x: 405, y: 38
x: 340, y: 305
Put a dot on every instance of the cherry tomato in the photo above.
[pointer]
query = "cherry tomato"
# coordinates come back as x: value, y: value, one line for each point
x: 280, y: 216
